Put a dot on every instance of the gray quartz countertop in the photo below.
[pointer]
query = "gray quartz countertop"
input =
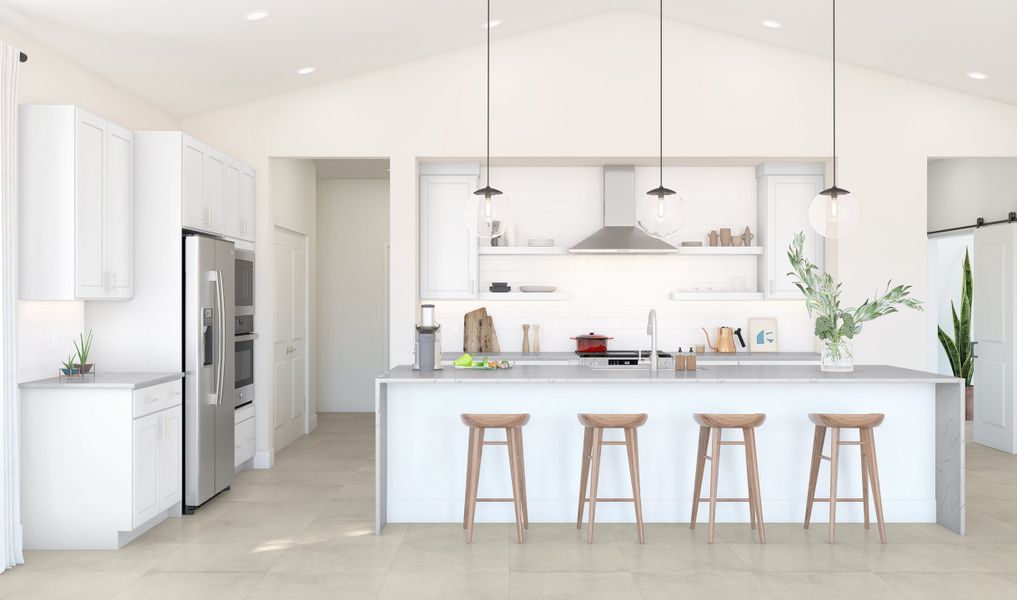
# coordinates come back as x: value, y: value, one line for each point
x: 704, y: 358
x: 131, y: 381
x: 706, y: 374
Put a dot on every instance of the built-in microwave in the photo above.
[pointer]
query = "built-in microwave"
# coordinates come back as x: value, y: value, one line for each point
x: 244, y: 282
x: 243, y: 344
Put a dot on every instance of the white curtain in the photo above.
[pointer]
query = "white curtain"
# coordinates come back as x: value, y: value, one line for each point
x: 10, y: 477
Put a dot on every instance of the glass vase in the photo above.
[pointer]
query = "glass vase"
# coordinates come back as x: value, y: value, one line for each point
x: 837, y: 357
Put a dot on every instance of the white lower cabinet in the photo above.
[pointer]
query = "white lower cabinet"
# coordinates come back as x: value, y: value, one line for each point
x: 243, y: 448
x: 100, y: 465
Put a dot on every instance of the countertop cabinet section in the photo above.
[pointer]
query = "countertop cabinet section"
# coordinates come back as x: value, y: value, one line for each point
x: 784, y: 194
x: 76, y: 205
x: 449, y: 256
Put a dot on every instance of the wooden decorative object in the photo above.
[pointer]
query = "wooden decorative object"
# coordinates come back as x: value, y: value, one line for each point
x: 472, y: 329
x: 488, y: 336
x: 747, y: 236
x: 526, y: 339
x: 713, y: 238
x: 725, y: 236
x: 536, y: 338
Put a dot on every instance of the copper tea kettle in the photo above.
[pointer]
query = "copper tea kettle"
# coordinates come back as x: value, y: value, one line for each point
x: 725, y: 340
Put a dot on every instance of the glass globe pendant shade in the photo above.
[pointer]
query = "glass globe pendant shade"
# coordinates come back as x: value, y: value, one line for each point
x: 487, y: 213
x: 834, y: 213
x: 660, y: 213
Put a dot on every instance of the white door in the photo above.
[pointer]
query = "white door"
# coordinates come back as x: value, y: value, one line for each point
x: 145, y: 458
x: 248, y: 204
x: 993, y: 302
x: 120, y: 211
x: 787, y: 213
x: 448, y: 251
x: 234, y: 227
x: 169, y: 457
x: 194, y: 214
x: 289, y: 362
x: 215, y: 190
x: 90, y: 275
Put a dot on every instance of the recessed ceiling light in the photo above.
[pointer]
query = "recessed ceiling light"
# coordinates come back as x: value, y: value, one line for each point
x: 771, y: 23
x: 977, y: 75
x: 306, y: 70
x: 257, y: 15
x: 491, y: 24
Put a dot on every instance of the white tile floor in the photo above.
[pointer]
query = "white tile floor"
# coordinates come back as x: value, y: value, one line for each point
x: 304, y: 530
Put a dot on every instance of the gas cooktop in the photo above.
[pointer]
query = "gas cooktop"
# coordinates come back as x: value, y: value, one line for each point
x: 624, y: 358
x: 622, y: 354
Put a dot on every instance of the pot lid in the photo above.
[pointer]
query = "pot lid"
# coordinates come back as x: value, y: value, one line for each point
x: 591, y: 336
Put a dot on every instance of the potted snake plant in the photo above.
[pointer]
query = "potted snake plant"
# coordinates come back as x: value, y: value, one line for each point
x: 960, y: 350
x: 836, y: 326
x: 82, y: 350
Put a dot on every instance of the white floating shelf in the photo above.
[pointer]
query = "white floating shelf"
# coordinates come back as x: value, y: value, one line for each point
x: 721, y: 250
x: 523, y: 250
x: 523, y: 296
x: 717, y: 296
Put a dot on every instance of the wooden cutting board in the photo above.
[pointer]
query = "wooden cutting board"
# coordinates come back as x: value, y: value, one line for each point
x: 488, y: 336
x: 472, y: 330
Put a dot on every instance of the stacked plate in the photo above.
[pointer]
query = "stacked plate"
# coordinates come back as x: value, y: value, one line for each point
x: 540, y: 242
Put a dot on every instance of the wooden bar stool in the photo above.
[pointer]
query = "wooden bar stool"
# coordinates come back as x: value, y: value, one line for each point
x: 715, y: 424
x: 593, y: 441
x: 512, y: 424
x: 864, y: 423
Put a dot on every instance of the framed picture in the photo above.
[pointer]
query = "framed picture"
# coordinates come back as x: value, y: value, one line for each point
x: 762, y: 335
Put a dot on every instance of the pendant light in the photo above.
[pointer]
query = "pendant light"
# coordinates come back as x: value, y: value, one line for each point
x: 661, y: 212
x: 487, y: 212
x: 834, y: 212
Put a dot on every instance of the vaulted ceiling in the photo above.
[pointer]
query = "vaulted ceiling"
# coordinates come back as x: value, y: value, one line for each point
x: 189, y: 56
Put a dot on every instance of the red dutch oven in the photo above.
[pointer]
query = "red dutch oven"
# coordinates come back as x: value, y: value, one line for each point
x: 591, y: 342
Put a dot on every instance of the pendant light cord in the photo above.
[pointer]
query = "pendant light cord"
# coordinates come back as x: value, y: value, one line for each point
x: 488, y: 182
x: 834, y: 37
x: 661, y: 155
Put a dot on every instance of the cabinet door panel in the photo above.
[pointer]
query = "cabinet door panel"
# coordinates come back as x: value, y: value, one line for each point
x: 90, y: 185
x: 194, y: 216
x: 248, y: 203
x: 170, y: 457
x: 145, y: 464
x: 788, y: 199
x: 448, y: 251
x: 215, y: 190
x: 120, y: 211
x: 233, y: 210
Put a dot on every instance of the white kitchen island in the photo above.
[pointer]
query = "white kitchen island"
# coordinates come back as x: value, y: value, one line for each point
x: 421, y: 442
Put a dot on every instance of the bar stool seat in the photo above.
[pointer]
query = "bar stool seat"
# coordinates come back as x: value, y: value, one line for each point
x: 864, y: 423
x: 512, y: 424
x: 593, y: 441
x: 715, y: 424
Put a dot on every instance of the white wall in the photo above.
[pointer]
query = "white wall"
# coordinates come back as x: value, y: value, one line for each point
x: 946, y: 267
x: 963, y: 189
x: 564, y: 92
x: 46, y: 329
x: 352, y: 229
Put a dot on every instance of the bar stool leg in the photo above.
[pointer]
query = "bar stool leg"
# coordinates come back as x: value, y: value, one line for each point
x: 834, y: 455
x: 598, y: 439
x: 757, y: 497
x: 697, y: 492
x: 632, y: 447
x: 817, y: 452
x: 513, y: 458
x: 469, y: 475
x: 748, y: 477
x: 521, y: 462
x: 584, y: 477
x: 865, y: 475
x: 714, y: 473
x: 874, y: 476
x: 476, y: 454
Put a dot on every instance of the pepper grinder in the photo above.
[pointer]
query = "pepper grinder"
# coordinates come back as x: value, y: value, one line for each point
x: 526, y: 339
x: 536, y: 338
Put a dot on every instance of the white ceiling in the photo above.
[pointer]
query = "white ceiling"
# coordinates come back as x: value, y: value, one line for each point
x: 189, y: 56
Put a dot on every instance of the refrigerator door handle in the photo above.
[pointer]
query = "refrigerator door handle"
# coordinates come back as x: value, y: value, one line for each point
x: 213, y: 393
x: 222, y: 336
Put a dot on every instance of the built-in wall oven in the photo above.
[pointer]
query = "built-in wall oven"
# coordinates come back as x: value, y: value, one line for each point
x: 243, y: 331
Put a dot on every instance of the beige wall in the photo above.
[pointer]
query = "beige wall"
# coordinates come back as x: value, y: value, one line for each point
x: 588, y: 89
x: 46, y: 329
x: 352, y: 249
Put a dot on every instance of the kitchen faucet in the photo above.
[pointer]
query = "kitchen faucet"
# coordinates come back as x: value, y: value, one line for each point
x: 651, y: 330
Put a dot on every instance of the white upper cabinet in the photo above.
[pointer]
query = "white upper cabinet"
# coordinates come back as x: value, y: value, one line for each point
x: 218, y: 192
x: 449, y: 255
x: 785, y: 191
x: 76, y: 205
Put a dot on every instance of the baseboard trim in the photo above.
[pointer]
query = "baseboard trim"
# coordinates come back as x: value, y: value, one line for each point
x: 312, y: 423
x: 264, y: 459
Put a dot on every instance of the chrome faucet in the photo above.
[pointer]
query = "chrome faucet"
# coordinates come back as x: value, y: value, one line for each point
x: 651, y: 330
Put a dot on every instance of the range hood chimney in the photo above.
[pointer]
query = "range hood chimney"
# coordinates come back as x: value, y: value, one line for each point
x: 620, y: 234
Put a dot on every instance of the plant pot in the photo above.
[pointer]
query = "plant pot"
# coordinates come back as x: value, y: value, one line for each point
x: 837, y: 357
x: 69, y: 372
x: 84, y: 368
x: 969, y: 403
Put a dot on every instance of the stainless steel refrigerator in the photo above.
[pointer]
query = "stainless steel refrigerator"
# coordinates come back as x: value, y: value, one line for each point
x: 208, y: 365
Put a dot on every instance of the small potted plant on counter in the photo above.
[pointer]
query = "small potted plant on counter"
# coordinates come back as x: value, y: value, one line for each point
x: 68, y: 367
x: 83, y: 350
x: 837, y: 326
x: 960, y: 351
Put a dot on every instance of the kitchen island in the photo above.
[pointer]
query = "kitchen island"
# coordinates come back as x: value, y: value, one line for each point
x: 421, y: 443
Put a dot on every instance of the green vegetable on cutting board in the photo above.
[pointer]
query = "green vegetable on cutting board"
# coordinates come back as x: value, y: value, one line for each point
x: 464, y: 361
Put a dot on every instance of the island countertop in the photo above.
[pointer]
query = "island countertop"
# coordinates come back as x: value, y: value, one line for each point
x: 705, y: 374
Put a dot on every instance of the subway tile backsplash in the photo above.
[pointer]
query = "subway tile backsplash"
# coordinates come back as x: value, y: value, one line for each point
x: 46, y: 334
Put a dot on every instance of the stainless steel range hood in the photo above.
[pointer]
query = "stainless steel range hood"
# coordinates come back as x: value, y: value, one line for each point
x: 620, y: 234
